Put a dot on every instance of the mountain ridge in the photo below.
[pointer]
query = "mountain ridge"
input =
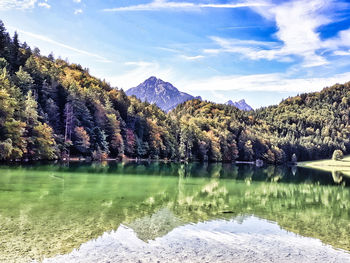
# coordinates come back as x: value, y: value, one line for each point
x: 241, y: 104
x: 167, y: 97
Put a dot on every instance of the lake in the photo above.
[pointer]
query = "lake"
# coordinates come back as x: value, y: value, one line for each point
x: 166, y: 212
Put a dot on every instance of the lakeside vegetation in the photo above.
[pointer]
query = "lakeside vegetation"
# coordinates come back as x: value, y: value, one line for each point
x: 338, y: 168
x: 52, y: 109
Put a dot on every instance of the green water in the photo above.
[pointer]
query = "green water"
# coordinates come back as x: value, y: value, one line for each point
x: 47, y: 210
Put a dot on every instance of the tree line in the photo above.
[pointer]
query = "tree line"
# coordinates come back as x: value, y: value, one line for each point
x: 52, y: 109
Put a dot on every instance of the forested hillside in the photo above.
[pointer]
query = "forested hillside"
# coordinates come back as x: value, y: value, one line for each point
x: 311, y: 126
x: 50, y: 109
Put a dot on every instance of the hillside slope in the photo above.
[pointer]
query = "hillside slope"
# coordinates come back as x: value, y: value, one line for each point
x: 311, y: 126
x: 50, y: 109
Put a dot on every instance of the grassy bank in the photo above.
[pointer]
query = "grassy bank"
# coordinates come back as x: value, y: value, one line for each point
x: 340, y: 166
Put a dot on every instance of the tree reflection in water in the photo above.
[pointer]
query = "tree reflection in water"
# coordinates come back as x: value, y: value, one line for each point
x: 50, y: 209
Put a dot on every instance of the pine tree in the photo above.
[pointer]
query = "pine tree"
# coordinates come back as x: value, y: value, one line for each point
x: 4, y: 41
x: 15, y: 54
x: 54, y: 117
x: 24, y: 81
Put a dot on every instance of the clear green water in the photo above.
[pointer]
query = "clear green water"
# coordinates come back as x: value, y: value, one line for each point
x: 47, y: 210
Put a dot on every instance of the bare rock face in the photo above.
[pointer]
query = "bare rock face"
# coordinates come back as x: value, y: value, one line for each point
x: 162, y: 93
x: 167, y: 97
x: 242, y: 105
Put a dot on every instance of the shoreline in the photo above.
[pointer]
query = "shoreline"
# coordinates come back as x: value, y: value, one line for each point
x: 341, y: 166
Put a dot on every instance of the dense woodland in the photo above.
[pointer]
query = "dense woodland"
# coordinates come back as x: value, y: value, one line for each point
x: 50, y: 109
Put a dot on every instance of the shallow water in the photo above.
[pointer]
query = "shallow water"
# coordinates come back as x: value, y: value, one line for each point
x: 81, y: 213
x: 247, y: 239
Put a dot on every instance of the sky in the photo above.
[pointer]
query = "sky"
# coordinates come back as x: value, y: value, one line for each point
x: 258, y: 50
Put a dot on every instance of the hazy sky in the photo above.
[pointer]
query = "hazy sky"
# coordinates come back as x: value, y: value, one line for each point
x: 259, y: 50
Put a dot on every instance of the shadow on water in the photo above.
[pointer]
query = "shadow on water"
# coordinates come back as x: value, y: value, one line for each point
x: 51, y: 209
x: 270, y: 173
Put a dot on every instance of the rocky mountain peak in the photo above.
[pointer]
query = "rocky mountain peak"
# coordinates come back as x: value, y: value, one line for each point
x: 162, y: 93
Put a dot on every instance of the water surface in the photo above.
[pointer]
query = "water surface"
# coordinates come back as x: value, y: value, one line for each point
x: 52, y: 210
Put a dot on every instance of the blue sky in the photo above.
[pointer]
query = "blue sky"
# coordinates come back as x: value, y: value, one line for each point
x: 260, y: 50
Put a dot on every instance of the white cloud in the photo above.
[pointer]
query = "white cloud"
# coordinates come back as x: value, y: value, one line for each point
x: 45, y: 5
x: 192, y: 58
x: 297, y: 34
x: 300, y: 36
x: 276, y: 82
x: 139, y: 63
x: 342, y: 53
x: 141, y: 71
x: 78, y: 11
x: 249, y: 48
x: 51, y: 41
x: 157, y: 5
x: 77, y: 1
x: 17, y: 4
x: 22, y: 4
x: 172, y: 50
x: 340, y: 43
x: 344, y: 38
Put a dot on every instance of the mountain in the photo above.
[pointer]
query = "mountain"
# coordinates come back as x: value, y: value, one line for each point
x: 242, y: 105
x: 167, y: 97
x: 163, y: 94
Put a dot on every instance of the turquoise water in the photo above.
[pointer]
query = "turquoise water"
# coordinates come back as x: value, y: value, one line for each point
x: 51, y: 210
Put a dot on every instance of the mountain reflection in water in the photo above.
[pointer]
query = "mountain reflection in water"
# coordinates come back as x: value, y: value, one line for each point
x: 48, y: 210
x: 243, y: 240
